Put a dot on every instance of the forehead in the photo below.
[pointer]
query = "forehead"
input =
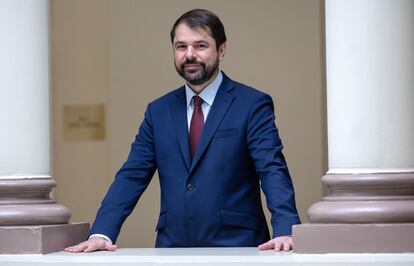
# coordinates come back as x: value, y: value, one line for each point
x: 183, y: 33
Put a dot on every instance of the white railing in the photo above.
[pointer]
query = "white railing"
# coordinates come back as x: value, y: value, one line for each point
x: 204, y: 257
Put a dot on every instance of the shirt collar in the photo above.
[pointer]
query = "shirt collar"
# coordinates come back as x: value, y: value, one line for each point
x: 208, y: 94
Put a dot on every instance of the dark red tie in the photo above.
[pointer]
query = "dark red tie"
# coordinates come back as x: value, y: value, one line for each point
x: 196, y: 125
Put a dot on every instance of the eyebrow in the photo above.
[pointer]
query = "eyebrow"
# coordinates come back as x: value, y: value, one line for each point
x: 196, y: 42
x: 202, y: 42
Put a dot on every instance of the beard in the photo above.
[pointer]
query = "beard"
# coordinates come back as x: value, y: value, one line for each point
x: 201, y: 75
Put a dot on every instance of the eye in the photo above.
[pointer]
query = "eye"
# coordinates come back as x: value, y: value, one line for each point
x: 180, y: 47
x: 201, y: 46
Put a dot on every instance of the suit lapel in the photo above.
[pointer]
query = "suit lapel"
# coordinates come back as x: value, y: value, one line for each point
x: 178, y: 109
x: 219, y: 108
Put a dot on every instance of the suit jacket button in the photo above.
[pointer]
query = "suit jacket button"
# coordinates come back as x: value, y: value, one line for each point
x: 189, y: 187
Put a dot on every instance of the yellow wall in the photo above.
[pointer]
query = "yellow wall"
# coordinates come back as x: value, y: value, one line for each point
x: 119, y: 53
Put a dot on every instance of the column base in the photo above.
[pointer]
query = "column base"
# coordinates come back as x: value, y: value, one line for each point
x: 353, y: 238
x: 41, y: 239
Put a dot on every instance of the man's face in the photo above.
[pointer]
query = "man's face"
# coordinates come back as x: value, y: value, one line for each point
x: 196, y: 57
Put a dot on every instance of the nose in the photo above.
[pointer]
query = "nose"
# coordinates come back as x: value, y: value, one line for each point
x: 190, y: 53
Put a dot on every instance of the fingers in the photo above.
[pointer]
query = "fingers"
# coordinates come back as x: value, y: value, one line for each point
x: 77, y: 248
x: 278, y: 246
x: 285, y: 246
x: 93, y: 244
x: 283, y: 243
x: 93, y: 247
x: 110, y: 247
x: 268, y: 245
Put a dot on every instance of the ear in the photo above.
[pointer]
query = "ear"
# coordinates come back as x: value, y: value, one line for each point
x: 222, y: 51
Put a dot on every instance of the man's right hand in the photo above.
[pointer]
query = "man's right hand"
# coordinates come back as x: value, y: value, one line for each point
x: 92, y: 244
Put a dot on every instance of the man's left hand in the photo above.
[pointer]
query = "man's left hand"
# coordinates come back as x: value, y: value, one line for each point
x: 280, y: 243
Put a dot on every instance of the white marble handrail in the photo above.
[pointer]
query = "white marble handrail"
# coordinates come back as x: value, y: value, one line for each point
x: 203, y: 257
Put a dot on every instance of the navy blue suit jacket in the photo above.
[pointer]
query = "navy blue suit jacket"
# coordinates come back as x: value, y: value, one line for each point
x: 213, y: 199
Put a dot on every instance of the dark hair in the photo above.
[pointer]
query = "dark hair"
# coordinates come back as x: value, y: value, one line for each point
x: 202, y: 18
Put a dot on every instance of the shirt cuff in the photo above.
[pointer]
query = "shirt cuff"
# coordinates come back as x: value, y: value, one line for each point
x: 101, y: 236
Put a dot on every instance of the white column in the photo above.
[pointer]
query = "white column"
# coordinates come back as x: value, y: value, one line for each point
x: 25, y: 180
x: 370, y: 86
x: 24, y: 89
x: 370, y: 93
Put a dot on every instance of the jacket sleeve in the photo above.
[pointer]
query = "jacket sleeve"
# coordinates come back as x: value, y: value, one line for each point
x: 129, y: 183
x: 265, y: 149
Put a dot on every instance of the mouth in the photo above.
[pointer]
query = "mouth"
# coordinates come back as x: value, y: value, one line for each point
x: 193, y: 67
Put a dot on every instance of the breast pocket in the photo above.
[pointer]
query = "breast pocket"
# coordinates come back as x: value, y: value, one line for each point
x: 227, y: 133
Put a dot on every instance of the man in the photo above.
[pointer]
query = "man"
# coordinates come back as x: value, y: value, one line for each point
x: 214, y: 143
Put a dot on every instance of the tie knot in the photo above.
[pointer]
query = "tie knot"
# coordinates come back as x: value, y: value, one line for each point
x: 197, y: 101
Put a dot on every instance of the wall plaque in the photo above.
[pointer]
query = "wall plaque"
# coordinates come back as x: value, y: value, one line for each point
x: 84, y: 122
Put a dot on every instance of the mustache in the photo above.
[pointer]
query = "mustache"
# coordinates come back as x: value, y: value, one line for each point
x: 192, y: 62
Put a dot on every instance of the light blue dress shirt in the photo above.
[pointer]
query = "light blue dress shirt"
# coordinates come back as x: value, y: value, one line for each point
x: 208, y: 95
